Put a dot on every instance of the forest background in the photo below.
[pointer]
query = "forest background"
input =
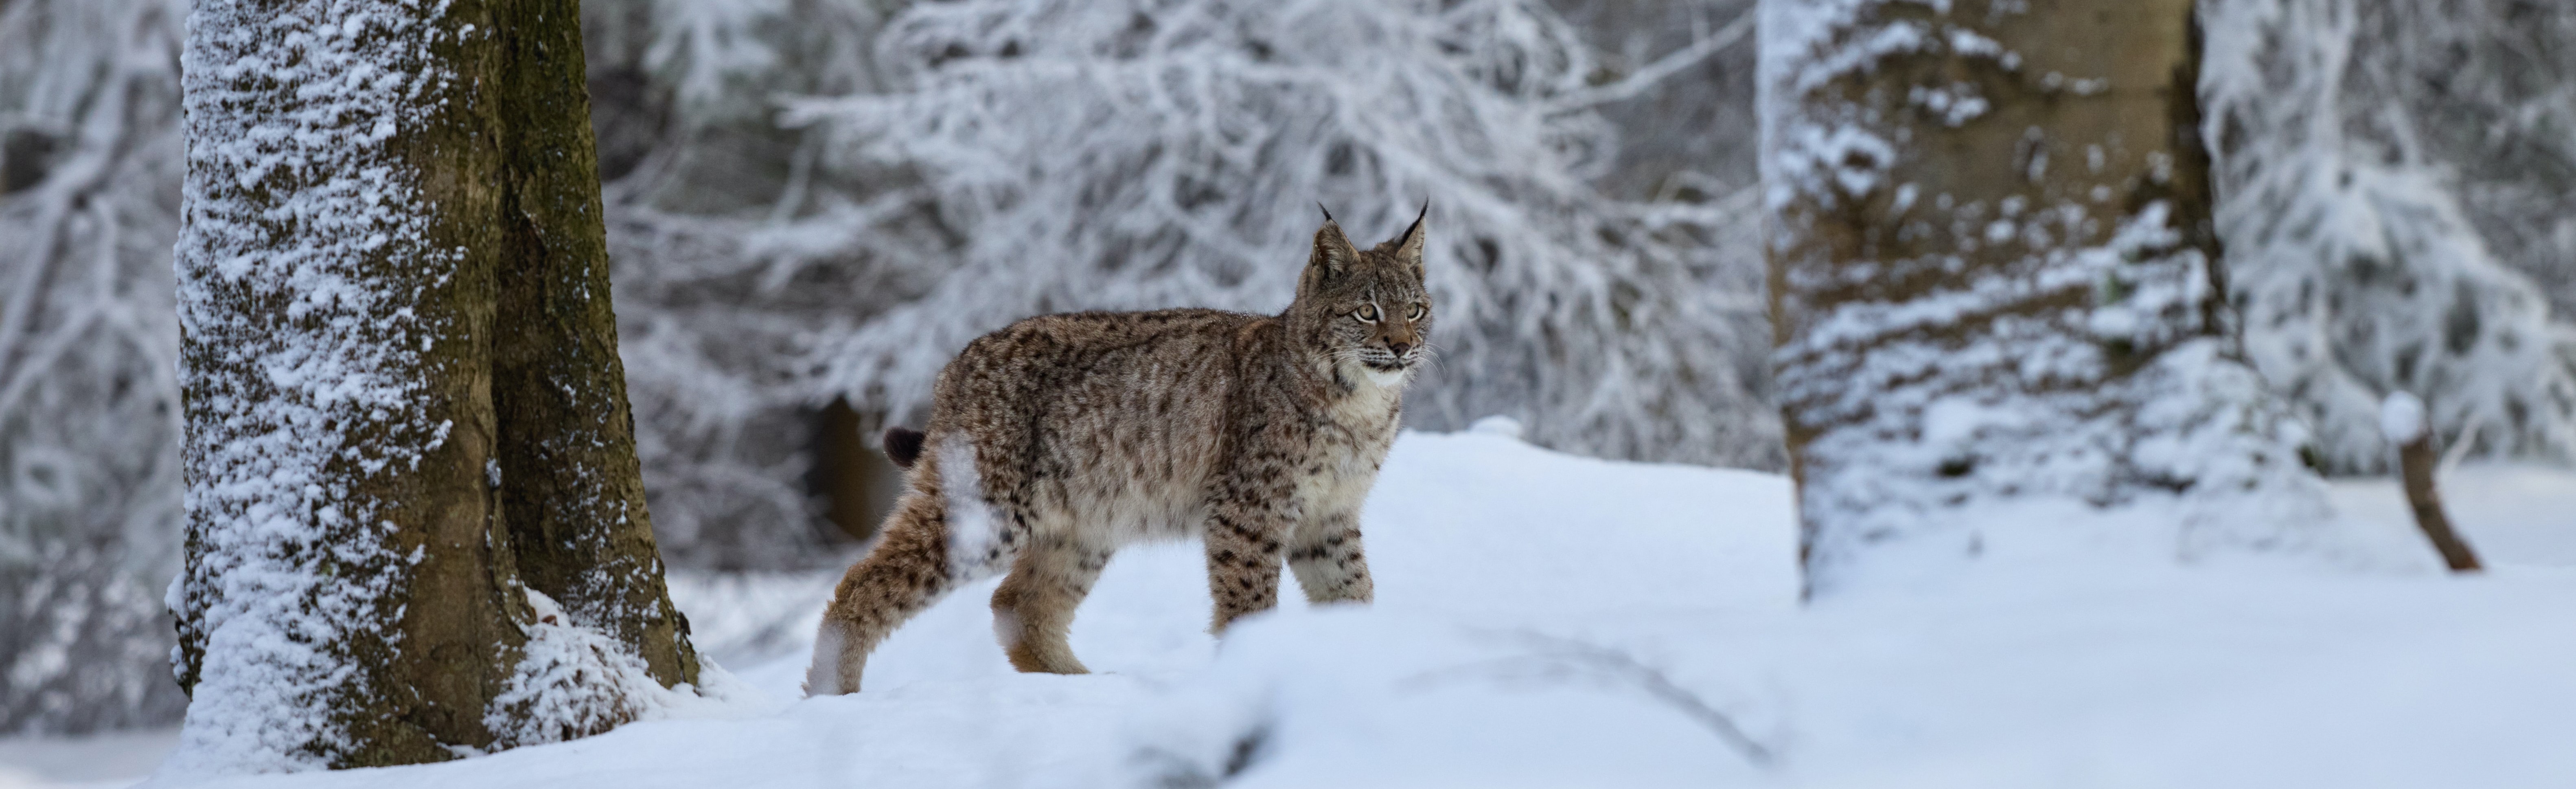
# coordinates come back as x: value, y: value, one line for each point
x: 813, y: 202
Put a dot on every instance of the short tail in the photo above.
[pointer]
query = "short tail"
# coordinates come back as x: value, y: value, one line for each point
x: 835, y: 670
x: 903, y: 445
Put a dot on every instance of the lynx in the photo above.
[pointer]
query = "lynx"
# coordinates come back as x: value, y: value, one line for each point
x: 1056, y: 441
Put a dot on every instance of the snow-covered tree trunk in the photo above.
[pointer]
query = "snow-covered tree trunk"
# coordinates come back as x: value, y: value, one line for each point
x: 1995, y: 289
x: 407, y: 434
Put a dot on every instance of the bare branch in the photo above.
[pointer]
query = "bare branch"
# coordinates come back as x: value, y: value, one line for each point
x: 1628, y: 87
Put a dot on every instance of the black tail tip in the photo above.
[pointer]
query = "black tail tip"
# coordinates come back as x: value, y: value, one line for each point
x: 903, y: 445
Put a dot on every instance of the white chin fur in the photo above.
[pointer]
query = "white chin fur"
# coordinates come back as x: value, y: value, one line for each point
x: 1385, y: 378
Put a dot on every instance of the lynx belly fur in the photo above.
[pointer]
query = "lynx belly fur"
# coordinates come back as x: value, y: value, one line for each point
x: 1057, y: 440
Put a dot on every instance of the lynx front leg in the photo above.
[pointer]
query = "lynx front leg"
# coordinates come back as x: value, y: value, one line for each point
x: 1327, y: 559
x: 1244, y: 541
x: 1033, y: 610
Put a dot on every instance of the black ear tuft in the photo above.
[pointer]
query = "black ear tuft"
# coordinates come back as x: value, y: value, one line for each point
x: 903, y: 446
x: 1408, y: 247
x: 1328, y: 213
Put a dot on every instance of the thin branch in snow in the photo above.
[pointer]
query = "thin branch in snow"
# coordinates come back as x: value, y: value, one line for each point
x: 1559, y: 659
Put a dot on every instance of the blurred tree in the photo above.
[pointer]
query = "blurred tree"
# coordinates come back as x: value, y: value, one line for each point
x: 2393, y: 182
x: 732, y: 240
x: 1996, y: 285
x: 416, y: 521
x: 89, y: 395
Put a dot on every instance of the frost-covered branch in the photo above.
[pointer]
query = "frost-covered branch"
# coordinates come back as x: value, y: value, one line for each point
x: 1655, y: 73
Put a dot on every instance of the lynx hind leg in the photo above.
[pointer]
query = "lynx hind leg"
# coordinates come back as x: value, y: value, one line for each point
x: 906, y: 572
x: 1328, y: 562
x: 1033, y: 609
x: 939, y: 537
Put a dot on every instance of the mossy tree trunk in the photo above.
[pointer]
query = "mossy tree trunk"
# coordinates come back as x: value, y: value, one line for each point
x: 572, y: 491
x: 406, y: 412
x: 1994, y: 278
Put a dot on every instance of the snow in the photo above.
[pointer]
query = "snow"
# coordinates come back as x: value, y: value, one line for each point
x: 98, y: 761
x: 2401, y: 417
x: 1548, y: 620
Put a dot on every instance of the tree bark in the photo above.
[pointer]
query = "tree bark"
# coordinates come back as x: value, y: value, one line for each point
x: 572, y: 490
x: 2416, y: 460
x: 1993, y: 273
x: 405, y: 409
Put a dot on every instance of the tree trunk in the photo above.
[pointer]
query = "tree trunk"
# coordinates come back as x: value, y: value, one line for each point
x: 407, y: 425
x: 857, y: 483
x: 1994, y: 280
x: 2416, y: 460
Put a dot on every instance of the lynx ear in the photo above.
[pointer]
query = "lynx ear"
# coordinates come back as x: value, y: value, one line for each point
x: 1333, y: 254
x: 1408, y: 250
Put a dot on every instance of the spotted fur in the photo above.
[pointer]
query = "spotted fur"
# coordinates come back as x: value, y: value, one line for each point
x: 1056, y: 441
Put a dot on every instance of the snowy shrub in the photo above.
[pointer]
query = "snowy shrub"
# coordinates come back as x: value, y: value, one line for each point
x: 1155, y: 153
x: 2358, y: 265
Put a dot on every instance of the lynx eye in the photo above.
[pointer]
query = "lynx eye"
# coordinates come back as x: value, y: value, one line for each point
x: 1419, y: 312
x: 1367, y: 313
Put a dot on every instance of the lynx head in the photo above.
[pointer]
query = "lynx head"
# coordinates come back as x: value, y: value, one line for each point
x: 1365, y: 310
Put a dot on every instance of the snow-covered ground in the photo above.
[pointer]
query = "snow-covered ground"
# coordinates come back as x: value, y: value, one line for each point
x: 1547, y: 620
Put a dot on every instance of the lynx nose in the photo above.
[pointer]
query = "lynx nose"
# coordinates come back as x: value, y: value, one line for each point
x: 1398, y: 347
